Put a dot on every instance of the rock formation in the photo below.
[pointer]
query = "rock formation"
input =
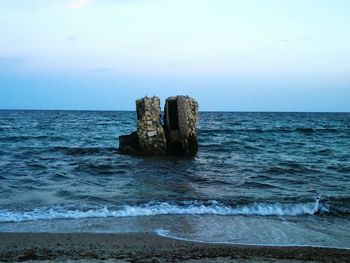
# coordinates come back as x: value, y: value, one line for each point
x: 177, y: 136
x: 150, y: 132
x: 180, y: 118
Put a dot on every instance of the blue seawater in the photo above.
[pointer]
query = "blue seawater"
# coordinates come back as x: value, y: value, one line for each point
x: 258, y: 178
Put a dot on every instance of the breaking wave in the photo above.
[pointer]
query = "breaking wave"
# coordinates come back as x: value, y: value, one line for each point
x: 165, y: 208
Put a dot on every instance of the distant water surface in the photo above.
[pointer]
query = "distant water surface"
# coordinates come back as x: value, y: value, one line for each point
x: 258, y: 178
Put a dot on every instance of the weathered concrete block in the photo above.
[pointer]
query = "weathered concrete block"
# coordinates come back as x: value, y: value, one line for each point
x: 129, y: 144
x: 178, y: 136
x: 150, y: 132
x: 180, y: 118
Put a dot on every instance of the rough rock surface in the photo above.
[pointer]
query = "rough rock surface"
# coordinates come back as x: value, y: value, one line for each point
x: 150, y: 131
x: 177, y: 137
x: 129, y: 144
x: 180, y: 118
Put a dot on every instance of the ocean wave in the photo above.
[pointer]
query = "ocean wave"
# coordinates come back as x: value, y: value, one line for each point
x: 78, y: 151
x: 166, y: 208
x: 273, y: 130
x: 21, y: 138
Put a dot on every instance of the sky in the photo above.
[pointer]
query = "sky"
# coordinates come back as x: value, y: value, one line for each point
x: 230, y: 55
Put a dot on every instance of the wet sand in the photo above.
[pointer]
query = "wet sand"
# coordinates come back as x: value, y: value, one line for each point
x: 148, y: 247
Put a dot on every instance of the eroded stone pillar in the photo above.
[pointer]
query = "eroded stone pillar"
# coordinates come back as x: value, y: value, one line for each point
x: 150, y: 132
x: 180, y: 118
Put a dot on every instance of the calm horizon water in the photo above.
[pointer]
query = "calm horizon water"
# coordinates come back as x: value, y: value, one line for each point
x: 258, y: 178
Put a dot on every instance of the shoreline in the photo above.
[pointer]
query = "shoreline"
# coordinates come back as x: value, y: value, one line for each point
x: 150, y: 247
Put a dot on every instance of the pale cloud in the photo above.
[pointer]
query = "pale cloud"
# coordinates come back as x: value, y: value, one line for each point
x: 10, y: 61
x: 101, y: 70
x: 70, y: 38
x: 78, y: 4
x: 299, y: 38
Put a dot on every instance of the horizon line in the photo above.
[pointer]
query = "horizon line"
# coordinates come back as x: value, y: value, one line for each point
x: 204, y: 111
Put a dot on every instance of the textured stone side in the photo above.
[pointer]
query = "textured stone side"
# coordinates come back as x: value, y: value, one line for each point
x: 192, y: 116
x: 150, y: 132
x: 182, y: 136
x: 129, y: 144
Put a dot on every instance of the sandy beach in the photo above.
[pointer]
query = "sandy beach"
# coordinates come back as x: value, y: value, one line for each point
x: 148, y: 247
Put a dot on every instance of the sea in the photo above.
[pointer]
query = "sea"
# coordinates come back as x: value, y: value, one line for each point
x: 279, y: 179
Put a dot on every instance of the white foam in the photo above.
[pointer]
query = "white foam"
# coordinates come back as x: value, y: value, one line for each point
x: 164, y: 208
x: 166, y: 233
